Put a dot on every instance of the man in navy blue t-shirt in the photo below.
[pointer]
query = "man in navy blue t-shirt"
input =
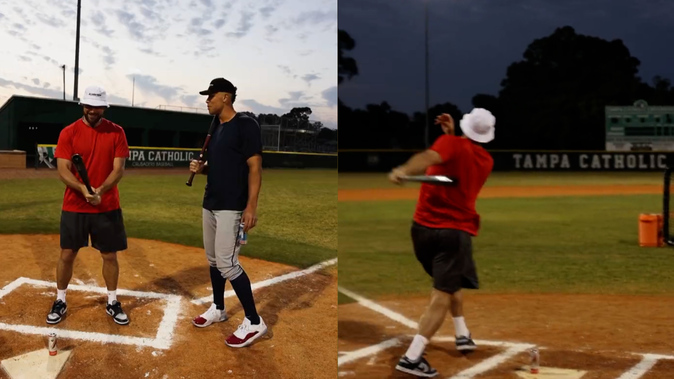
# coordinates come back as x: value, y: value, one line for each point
x: 234, y: 169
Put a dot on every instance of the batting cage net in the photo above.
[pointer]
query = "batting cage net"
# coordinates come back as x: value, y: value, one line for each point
x: 668, y: 227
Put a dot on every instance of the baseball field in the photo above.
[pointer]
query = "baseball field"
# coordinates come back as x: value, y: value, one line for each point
x: 560, y: 268
x: 290, y: 257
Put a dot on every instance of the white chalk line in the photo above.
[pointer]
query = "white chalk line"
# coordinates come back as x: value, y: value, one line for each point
x: 367, y: 351
x: 512, y: 348
x: 491, y: 362
x: 644, y: 366
x: 165, y: 331
x: 272, y: 281
x: 379, y: 309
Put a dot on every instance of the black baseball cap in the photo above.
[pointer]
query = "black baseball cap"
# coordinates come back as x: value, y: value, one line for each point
x: 219, y: 85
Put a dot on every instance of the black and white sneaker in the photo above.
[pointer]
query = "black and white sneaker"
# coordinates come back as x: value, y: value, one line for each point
x: 118, y: 315
x: 419, y: 368
x: 464, y: 343
x: 57, y: 313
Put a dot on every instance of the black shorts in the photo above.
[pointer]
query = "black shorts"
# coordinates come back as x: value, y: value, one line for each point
x: 106, y: 230
x: 447, y: 256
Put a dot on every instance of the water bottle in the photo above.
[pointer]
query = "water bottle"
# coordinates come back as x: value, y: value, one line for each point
x: 243, y: 236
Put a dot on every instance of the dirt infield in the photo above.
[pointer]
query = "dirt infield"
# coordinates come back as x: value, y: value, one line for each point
x: 581, y: 332
x: 597, y: 334
x: 504, y: 191
x: 301, y: 315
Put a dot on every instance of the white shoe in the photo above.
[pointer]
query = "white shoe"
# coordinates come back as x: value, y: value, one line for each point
x: 213, y: 314
x: 246, y: 333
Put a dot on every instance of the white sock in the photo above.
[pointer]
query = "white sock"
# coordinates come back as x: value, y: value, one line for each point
x: 61, y: 295
x: 416, y: 348
x: 460, y: 328
x: 112, y: 296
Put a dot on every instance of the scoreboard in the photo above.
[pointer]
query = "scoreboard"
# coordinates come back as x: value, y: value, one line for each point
x: 639, y: 127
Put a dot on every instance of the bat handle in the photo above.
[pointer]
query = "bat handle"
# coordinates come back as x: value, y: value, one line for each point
x: 189, y: 181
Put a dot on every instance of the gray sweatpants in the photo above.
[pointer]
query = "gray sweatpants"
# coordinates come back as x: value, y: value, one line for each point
x: 221, y: 241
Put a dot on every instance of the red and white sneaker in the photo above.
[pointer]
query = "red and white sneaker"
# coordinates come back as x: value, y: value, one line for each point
x: 213, y: 314
x: 246, y: 333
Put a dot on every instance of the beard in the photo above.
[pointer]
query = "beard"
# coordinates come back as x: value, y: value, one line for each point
x: 92, y: 119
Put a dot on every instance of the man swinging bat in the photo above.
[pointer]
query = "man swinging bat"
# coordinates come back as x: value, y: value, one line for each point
x: 95, y: 150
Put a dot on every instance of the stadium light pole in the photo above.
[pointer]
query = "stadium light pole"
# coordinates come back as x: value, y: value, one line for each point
x: 64, y: 81
x: 426, y: 70
x: 77, y: 48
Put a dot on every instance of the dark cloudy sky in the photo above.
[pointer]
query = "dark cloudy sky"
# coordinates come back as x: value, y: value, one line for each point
x: 472, y: 42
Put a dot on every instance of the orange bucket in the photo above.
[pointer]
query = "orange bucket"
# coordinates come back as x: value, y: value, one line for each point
x: 650, y: 230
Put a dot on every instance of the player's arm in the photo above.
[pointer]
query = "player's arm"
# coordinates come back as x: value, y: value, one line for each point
x: 64, y: 167
x: 114, y: 177
x: 416, y: 165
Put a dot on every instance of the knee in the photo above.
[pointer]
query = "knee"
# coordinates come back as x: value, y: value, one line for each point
x: 440, y: 299
x: 68, y: 256
x: 109, y: 257
x: 230, y: 272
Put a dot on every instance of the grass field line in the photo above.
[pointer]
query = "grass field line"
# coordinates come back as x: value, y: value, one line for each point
x: 165, y: 331
x: 272, y: 281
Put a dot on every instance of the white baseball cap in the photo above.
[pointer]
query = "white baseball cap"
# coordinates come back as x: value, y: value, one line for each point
x: 478, y: 125
x: 95, y: 96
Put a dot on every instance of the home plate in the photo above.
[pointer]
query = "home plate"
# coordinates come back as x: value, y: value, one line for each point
x: 35, y: 365
x: 550, y: 373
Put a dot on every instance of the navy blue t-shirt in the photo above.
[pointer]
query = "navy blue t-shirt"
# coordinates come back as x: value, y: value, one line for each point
x: 231, y: 144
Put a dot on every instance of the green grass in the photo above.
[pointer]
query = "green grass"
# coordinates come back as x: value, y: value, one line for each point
x: 526, y: 245
x: 297, y: 212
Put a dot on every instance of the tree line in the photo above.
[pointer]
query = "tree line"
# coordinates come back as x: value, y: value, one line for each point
x: 552, y: 99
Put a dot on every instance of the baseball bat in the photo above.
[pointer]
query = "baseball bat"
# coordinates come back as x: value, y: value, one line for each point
x: 214, y: 123
x: 79, y: 166
x: 436, y: 179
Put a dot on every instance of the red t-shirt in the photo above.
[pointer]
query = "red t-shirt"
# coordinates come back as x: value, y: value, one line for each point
x: 98, y: 147
x: 453, y: 207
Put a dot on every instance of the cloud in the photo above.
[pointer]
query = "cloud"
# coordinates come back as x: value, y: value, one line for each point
x: 25, y: 58
x: 330, y: 95
x: 310, y: 77
x: 271, y: 29
x: 135, y: 28
x: 150, y: 14
x: 150, y: 52
x: 191, y: 100
x: 51, y: 21
x: 149, y: 84
x: 36, y: 47
x: 195, y: 27
x: 51, y: 60
x: 245, y: 25
x: 68, y: 13
x: 267, y: 11
x: 45, y: 92
x: 295, y: 100
x: 99, y: 20
x: 148, y: 3
x: 258, y: 108
x: 36, y: 81
x: 315, y: 17
x: 207, y: 3
x: 286, y: 70
x: 46, y: 85
x: 219, y: 23
x: 19, y: 26
x: 109, y: 57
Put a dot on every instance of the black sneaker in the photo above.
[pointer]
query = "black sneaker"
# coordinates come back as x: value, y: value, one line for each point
x: 57, y: 313
x: 464, y: 343
x: 418, y: 368
x: 118, y: 315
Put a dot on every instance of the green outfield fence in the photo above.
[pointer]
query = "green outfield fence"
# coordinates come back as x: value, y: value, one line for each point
x: 168, y: 157
x: 522, y: 160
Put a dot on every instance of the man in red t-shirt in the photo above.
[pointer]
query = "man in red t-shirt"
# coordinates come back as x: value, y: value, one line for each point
x: 444, y: 223
x: 104, y: 149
